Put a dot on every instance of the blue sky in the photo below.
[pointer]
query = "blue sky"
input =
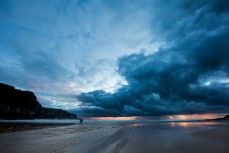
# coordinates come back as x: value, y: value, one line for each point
x: 110, y: 57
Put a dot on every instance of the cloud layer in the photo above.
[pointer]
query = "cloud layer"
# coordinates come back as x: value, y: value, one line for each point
x: 188, y: 76
x: 53, y: 48
x: 118, y: 58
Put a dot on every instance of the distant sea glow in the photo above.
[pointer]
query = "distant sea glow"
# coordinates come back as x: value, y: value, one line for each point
x: 169, y: 117
x: 195, y: 116
x: 115, y: 118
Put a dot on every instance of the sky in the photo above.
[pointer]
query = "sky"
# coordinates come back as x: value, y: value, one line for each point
x: 118, y: 58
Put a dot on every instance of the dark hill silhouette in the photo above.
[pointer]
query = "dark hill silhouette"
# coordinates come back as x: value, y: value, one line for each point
x: 18, y: 104
x: 225, y: 118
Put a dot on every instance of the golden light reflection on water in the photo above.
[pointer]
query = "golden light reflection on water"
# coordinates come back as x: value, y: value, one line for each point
x: 137, y: 124
x: 115, y: 118
x: 180, y: 124
x: 190, y: 124
x: 174, y: 124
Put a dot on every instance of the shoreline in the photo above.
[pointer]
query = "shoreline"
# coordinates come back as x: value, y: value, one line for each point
x: 8, y: 126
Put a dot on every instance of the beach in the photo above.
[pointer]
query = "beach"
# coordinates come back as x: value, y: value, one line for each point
x: 121, y: 137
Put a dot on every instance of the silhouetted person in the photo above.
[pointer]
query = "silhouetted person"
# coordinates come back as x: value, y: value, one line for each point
x: 81, y: 120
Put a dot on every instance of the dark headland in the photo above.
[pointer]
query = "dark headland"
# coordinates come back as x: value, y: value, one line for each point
x: 225, y: 118
x: 18, y: 104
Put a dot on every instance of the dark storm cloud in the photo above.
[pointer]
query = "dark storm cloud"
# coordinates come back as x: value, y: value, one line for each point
x: 178, y: 79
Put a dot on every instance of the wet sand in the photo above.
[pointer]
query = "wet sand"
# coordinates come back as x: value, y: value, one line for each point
x: 66, y: 139
x: 177, y: 137
x: 169, y: 138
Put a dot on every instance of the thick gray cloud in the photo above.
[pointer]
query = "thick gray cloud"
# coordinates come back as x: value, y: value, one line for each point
x: 190, y: 75
x: 111, y: 57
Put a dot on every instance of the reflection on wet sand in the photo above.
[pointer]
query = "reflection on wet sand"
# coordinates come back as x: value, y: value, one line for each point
x: 190, y: 124
x: 184, y: 124
x: 115, y: 118
x: 180, y: 124
x: 137, y: 124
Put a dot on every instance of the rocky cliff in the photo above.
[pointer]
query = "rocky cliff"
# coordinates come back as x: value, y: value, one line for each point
x: 17, y: 104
